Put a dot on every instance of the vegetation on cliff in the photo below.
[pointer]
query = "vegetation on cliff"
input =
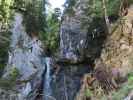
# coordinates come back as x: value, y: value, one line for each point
x: 109, y: 25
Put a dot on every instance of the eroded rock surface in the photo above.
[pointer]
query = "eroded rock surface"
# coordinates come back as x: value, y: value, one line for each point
x: 25, y: 55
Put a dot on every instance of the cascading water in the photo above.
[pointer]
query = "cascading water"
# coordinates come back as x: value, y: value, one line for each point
x: 26, y: 56
x: 62, y: 85
x: 47, y: 80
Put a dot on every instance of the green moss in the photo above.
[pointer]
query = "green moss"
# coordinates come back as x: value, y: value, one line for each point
x: 88, y: 93
x: 14, y: 74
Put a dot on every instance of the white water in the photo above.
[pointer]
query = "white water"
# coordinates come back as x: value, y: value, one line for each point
x: 47, y: 80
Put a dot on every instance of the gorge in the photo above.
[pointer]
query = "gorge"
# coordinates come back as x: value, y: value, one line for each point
x: 70, y: 55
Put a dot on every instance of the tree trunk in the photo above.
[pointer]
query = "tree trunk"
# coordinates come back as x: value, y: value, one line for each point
x: 106, y: 16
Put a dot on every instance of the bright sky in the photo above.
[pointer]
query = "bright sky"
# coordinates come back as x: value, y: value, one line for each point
x: 57, y: 3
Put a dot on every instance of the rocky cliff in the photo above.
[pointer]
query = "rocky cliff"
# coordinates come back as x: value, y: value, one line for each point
x: 79, y: 40
x: 84, y: 45
x: 116, y: 59
x: 117, y: 52
x: 25, y: 62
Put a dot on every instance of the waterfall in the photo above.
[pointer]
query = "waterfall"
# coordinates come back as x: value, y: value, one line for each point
x: 64, y: 84
x: 47, y: 80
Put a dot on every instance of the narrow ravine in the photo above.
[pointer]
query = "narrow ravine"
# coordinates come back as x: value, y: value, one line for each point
x: 66, y: 49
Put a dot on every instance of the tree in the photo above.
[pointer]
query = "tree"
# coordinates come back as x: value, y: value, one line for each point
x: 5, y: 18
x: 69, y: 4
x: 108, y: 26
x: 52, y: 33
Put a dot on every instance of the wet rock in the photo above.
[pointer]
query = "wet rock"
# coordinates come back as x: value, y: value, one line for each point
x: 65, y: 84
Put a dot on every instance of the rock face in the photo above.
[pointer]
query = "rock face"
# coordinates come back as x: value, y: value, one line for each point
x: 61, y: 82
x: 77, y: 41
x: 118, y: 50
x: 116, y: 55
x: 73, y: 38
x: 25, y: 56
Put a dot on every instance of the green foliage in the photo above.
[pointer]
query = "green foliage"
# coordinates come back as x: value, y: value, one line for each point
x: 113, y: 7
x: 1, y: 66
x: 11, y: 81
x: 7, y: 84
x: 88, y: 93
x: 4, y: 46
x: 34, y: 14
x: 5, y: 16
x: 130, y: 77
x: 5, y: 11
x: 14, y: 73
x: 123, y: 91
x: 51, y: 36
x: 96, y: 8
x: 37, y: 22
x: 3, y: 54
x: 20, y: 3
x: 120, y: 94
x: 69, y: 6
